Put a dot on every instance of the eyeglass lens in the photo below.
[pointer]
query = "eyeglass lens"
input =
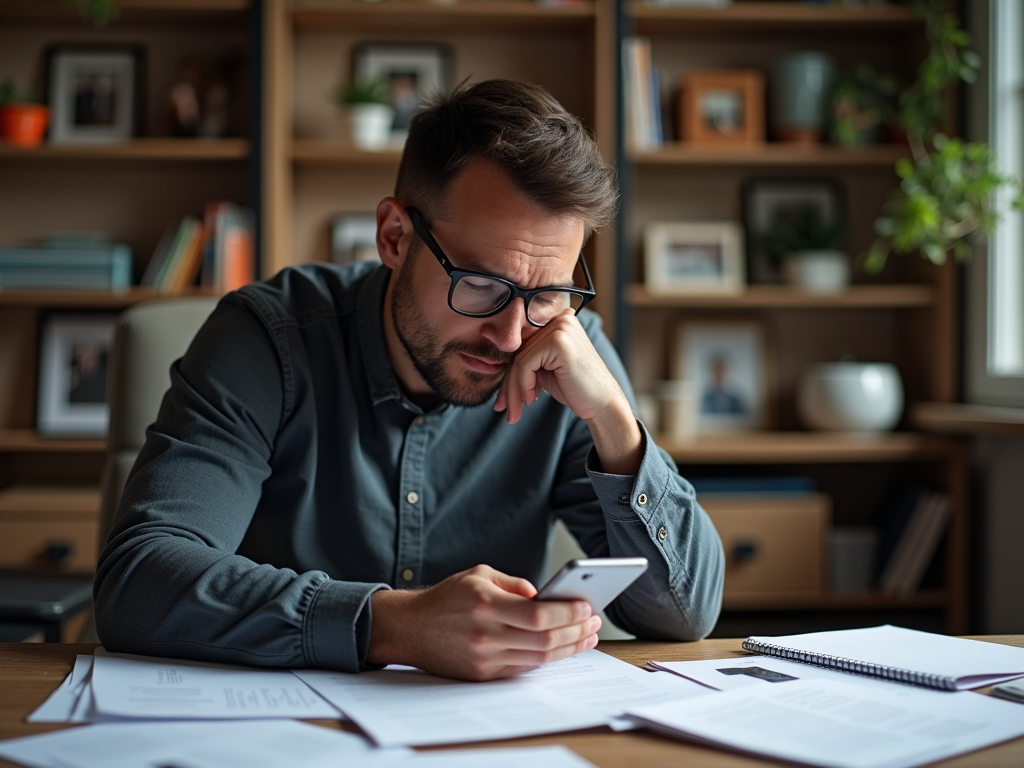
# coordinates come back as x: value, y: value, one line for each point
x: 476, y: 295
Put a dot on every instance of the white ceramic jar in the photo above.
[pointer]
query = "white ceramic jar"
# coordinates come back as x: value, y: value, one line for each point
x: 850, y: 397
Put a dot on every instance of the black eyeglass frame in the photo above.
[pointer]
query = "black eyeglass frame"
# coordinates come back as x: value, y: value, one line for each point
x: 586, y: 294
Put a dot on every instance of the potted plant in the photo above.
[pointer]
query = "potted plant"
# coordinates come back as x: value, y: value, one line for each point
x: 369, y: 113
x: 22, y: 119
x: 947, y: 186
x: 99, y: 13
x: 809, y: 249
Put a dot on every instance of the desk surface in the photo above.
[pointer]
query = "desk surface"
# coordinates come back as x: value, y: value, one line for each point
x: 30, y: 672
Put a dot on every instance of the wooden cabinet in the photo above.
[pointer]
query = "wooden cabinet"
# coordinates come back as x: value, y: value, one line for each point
x: 49, y: 497
x: 905, y: 316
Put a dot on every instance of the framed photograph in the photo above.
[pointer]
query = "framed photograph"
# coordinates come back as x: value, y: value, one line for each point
x: 94, y: 93
x: 728, y: 363
x: 411, y: 71
x: 354, y: 238
x: 766, y: 200
x: 682, y: 257
x: 724, y: 107
x: 74, y: 351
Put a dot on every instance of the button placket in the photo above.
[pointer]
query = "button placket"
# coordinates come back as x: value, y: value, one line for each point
x: 409, y: 554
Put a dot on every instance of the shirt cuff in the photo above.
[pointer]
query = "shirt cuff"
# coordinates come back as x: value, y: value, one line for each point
x: 336, y: 631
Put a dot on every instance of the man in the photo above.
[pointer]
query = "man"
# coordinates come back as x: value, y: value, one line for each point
x: 360, y: 466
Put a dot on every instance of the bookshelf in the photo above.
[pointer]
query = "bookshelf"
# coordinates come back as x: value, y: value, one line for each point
x: 49, y: 487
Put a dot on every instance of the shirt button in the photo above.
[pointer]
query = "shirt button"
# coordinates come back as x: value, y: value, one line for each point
x: 407, y: 574
x: 418, y: 421
x: 642, y: 499
x: 662, y: 533
x: 412, y: 497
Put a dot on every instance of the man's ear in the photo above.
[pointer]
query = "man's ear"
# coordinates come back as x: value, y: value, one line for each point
x: 394, y: 232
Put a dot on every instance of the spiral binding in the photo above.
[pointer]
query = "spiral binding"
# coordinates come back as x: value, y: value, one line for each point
x: 942, y: 682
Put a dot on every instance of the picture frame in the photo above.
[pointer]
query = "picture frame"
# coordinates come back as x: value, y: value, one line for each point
x: 95, y: 93
x: 729, y: 363
x: 764, y: 199
x: 694, y: 257
x: 354, y: 238
x: 74, y: 350
x: 723, y: 107
x: 412, y: 71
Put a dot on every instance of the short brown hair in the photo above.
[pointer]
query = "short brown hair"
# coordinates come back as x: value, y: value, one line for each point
x: 547, y: 153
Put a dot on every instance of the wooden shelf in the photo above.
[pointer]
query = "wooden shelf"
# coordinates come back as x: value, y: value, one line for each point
x: 90, y: 299
x: 501, y: 15
x: 29, y: 441
x: 835, y: 601
x: 155, y: 149
x: 771, y: 154
x: 747, y: 18
x: 807, y: 447
x: 960, y: 418
x: 786, y: 297
x: 30, y: 499
x: 129, y: 11
x: 320, y: 152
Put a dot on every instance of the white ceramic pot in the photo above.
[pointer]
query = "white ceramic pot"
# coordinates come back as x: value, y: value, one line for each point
x: 822, y: 271
x: 850, y: 397
x: 370, y: 125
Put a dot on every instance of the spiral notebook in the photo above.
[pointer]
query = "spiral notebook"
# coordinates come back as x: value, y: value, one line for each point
x: 904, y: 655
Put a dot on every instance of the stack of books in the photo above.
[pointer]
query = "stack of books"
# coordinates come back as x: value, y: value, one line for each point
x: 642, y: 85
x: 216, y: 252
x: 67, y: 263
x: 916, y: 519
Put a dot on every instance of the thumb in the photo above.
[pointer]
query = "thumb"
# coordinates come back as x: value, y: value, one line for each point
x: 513, y: 584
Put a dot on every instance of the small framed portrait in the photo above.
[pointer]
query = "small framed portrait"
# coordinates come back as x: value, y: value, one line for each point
x: 94, y: 93
x: 724, y: 107
x: 354, y: 238
x: 411, y: 71
x: 686, y: 257
x: 74, y: 352
x: 728, y: 363
x: 766, y: 200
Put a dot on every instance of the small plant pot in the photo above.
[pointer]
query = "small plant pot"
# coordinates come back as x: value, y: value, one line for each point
x: 23, y: 124
x: 850, y: 397
x: 824, y: 271
x: 369, y: 125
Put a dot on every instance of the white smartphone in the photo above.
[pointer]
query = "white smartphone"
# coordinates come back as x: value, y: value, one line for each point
x: 598, y: 580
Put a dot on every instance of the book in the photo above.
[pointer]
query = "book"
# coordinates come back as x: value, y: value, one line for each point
x: 234, y: 248
x: 66, y: 265
x: 903, y: 655
x: 917, y: 545
x: 795, y: 485
x: 156, y: 261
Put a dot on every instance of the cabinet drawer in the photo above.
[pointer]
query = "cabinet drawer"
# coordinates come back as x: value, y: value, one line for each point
x: 774, y: 547
x: 41, y: 543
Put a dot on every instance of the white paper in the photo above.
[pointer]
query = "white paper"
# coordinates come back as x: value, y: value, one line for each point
x: 841, y: 724
x: 508, y: 757
x: 171, y: 688
x: 401, y: 705
x: 60, y: 704
x: 971, y: 663
x: 241, y: 744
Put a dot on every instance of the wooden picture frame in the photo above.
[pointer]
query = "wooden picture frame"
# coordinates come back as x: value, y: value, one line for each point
x: 694, y: 257
x: 74, y: 351
x: 730, y: 363
x: 354, y: 238
x: 95, y: 93
x: 723, y: 107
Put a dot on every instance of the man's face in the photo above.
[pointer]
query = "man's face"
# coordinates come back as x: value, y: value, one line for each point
x: 487, y: 226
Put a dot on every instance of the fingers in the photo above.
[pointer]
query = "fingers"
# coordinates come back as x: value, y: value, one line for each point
x: 516, y: 661
x: 513, y: 584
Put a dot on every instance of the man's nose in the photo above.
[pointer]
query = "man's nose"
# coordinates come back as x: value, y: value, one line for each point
x: 507, y: 328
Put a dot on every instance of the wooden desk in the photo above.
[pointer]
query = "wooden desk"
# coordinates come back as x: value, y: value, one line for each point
x: 30, y: 672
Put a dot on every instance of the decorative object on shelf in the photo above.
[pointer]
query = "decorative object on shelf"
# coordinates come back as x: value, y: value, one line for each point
x: 354, y: 238
x: 809, y: 249
x: 850, y: 397
x: 410, y: 72
x: 23, y: 120
x: 723, y: 107
x: 95, y: 93
x: 766, y: 201
x: 682, y: 257
x: 863, y: 102
x: 853, y: 550
x: 368, y: 114
x: 728, y: 361
x: 99, y: 13
x: 73, y: 355
x: 678, y: 407
x: 947, y: 188
x: 801, y: 83
x: 201, y: 98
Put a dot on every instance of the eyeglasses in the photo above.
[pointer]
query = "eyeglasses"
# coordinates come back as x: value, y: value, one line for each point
x: 476, y: 294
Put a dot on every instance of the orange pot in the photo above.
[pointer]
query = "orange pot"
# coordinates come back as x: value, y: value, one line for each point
x: 23, y: 124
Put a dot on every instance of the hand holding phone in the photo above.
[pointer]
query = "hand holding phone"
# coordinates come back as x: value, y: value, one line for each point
x: 597, y: 580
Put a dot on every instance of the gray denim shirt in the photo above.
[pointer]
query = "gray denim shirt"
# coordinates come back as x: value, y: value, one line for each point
x: 287, y: 478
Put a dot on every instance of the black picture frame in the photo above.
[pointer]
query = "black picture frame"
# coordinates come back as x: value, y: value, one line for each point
x: 96, y: 93
x: 764, y: 198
